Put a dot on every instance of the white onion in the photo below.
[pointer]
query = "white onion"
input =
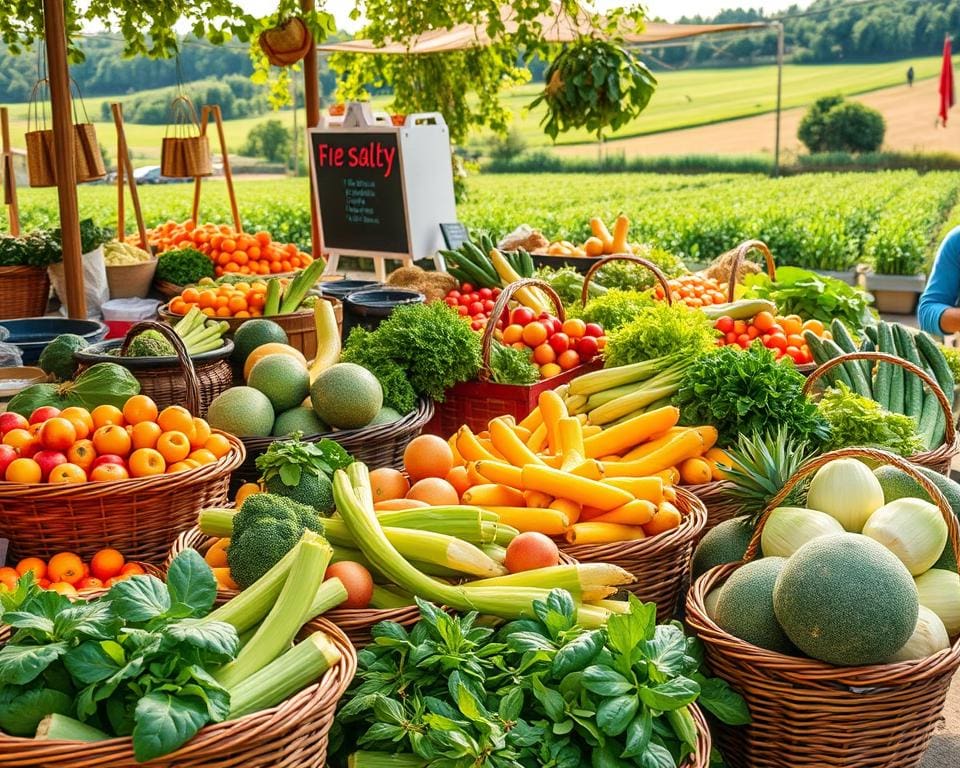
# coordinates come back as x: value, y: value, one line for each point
x: 929, y: 637
x: 939, y: 591
x: 847, y: 490
x: 789, y: 528
x: 913, y: 529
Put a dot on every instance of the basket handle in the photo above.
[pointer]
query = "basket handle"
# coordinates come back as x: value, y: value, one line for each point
x: 653, y: 268
x: 740, y: 253
x: 874, y: 454
x: 183, y: 117
x: 882, y: 357
x: 500, y: 306
x: 183, y: 358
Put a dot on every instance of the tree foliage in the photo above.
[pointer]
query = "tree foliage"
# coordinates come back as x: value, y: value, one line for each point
x: 833, y: 124
x: 270, y: 140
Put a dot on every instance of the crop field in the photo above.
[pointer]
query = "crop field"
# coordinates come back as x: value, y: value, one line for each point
x: 821, y: 221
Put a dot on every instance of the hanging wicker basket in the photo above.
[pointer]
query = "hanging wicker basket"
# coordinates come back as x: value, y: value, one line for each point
x: 287, y: 43
x: 185, y: 150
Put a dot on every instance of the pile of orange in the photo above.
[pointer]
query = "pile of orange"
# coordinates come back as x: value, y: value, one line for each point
x: 694, y: 291
x: 78, y: 446
x: 232, y: 252
x: 68, y: 574
x: 429, y: 462
x: 236, y: 300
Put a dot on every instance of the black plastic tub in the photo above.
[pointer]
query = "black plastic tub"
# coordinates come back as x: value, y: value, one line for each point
x: 367, y: 309
x: 32, y: 334
x: 340, y: 289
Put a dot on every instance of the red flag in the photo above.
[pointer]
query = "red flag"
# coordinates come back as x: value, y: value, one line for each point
x: 947, y: 98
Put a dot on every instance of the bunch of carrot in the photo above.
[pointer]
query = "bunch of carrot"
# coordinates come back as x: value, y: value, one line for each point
x: 557, y: 474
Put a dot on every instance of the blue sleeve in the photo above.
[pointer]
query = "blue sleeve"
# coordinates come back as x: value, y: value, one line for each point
x: 943, y: 285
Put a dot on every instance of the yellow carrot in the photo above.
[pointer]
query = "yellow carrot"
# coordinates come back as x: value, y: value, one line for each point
x: 470, y: 447
x: 603, y: 533
x: 669, y: 493
x: 636, y: 512
x: 709, y: 436
x: 532, y: 420
x: 553, y: 409
x: 538, y: 438
x: 552, y: 522
x: 571, y: 443
x: 590, y: 469
x: 627, y: 434
x: 589, y: 430
x: 655, y: 442
x: 570, y: 508
x: 493, y: 494
x: 666, y: 518
x: 609, y: 457
x: 487, y: 444
x: 457, y: 458
x: 523, y: 434
x: 506, y: 442
x: 536, y: 477
x: 670, y: 476
x: 499, y: 472
x: 679, y: 448
x: 552, y: 461
x: 648, y: 488
x: 534, y: 499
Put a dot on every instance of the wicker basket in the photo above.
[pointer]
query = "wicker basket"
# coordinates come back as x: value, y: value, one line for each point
x: 380, y: 445
x: 808, y: 713
x: 716, y: 499
x: 940, y: 458
x: 475, y: 403
x: 24, y: 292
x: 600, y: 263
x: 139, y: 516
x: 660, y: 564
x: 293, y: 734
x: 190, y: 381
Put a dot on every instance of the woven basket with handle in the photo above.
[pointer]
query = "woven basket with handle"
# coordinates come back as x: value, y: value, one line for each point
x: 809, y: 713
x: 600, y: 263
x: 24, y: 292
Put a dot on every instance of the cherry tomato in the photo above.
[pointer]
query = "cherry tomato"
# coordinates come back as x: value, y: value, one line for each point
x: 730, y: 337
x: 463, y: 311
x: 465, y: 300
x: 744, y: 340
x: 466, y: 288
x: 451, y: 301
x: 739, y: 326
x: 724, y: 324
x: 752, y: 332
x: 795, y: 354
x: 488, y: 305
x: 587, y: 347
x: 764, y: 321
x: 496, y: 292
x: 485, y: 293
x: 777, y: 341
x: 593, y: 329
x: 454, y: 294
x: 476, y: 308
x: 560, y: 343
x: 477, y: 325
x: 522, y: 316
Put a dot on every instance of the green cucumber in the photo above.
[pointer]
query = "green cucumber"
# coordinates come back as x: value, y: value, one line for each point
x: 884, y: 383
x: 930, y: 351
x: 478, y: 276
x: 527, y: 268
x: 932, y: 424
x: 481, y: 264
x: 913, y: 386
x: 844, y: 371
x: 870, y: 331
x: 844, y: 340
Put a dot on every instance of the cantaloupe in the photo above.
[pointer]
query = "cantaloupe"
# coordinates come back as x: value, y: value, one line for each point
x: 845, y: 599
x: 725, y: 543
x: 283, y: 379
x: 745, y: 605
x: 299, y: 419
x: 271, y: 348
x: 346, y: 396
x: 242, y: 411
x: 251, y: 334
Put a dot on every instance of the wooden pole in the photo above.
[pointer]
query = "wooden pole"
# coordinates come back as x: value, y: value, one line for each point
x: 125, y: 170
x: 776, y: 145
x: 311, y: 103
x: 55, y: 32
x: 9, y: 176
x: 227, y: 173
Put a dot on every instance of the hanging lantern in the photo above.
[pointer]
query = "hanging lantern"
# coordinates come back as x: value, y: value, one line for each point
x: 287, y: 43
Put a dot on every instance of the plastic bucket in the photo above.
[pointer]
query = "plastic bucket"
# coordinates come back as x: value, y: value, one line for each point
x: 343, y: 288
x: 32, y: 334
x: 366, y: 309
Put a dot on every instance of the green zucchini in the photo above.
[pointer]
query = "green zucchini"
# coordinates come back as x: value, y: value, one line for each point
x: 482, y: 262
x: 820, y: 356
x: 527, y: 269
x: 884, y: 382
x: 930, y: 351
x: 913, y: 386
x: 477, y: 274
x: 932, y: 422
x: 870, y: 331
x: 846, y: 372
x: 844, y: 340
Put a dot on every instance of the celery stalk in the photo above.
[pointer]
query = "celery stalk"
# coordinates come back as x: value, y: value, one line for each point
x: 216, y: 522
x: 386, y: 599
x: 288, y: 613
x: 614, y: 606
x: 598, y: 381
x: 283, y: 677
x: 505, y: 534
x: 578, y: 579
x: 330, y: 594
x: 495, y: 552
x: 366, y: 759
x: 60, y: 727
x: 607, y: 395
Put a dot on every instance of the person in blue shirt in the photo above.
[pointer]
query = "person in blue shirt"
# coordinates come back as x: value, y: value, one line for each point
x: 938, y: 312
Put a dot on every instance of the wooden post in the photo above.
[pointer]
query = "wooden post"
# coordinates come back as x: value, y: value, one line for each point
x: 214, y: 109
x: 125, y: 170
x: 9, y: 176
x: 311, y: 103
x: 59, y: 72
x: 776, y: 145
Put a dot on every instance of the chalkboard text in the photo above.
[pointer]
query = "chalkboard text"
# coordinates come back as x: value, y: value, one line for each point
x: 372, y: 155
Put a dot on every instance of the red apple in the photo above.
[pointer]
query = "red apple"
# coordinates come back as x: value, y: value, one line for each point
x: 522, y: 316
x: 47, y: 461
x: 43, y: 413
x: 7, y: 454
x: 10, y: 420
x: 560, y: 342
x: 593, y: 329
x: 587, y: 347
x: 28, y: 450
x: 108, y: 458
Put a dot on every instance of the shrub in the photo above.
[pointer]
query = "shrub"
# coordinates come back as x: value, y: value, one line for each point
x: 810, y: 131
x: 834, y: 125
x: 270, y: 140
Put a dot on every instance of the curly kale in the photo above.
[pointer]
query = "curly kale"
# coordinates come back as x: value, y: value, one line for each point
x: 150, y: 344
x: 184, y: 266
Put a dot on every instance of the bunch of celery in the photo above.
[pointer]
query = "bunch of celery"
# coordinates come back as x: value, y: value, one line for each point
x: 197, y: 335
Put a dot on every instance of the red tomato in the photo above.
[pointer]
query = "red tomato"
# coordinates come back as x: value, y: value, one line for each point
x: 587, y: 347
x: 477, y: 325
x: 522, y: 316
x: 724, y: 324
x: 466, y: 288
x: 743, y: 340
x: 777, y: 341
x: 739, y: 326
x: 476, y: 308
x: 464, y: 300
x: 454, y: 294
x: 451, y: 301
x: 485, y: 293
x: 752, y: 332
x: 730, y: 338
x: 560, y: 343
x: 764, y: 321
x: 775, y: 329
x: 488, y: 305
x: 593, y: 329
x: 496, y: 292
x: 463, y: 311
x: 796, y: 354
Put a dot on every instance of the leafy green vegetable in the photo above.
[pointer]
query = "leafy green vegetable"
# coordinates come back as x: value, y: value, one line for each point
x: 430, y: 343
x: 290, y: 458
x: 541, y: 691
x: 858, y: 420
x: 812, y: 296
x: 91, y: 236
x: 102, y: 383
x: 616, y: 308
x: 659, y: 330
x: 398, y: 393
x: 629, y: 276
x: 37, y: 249
x: 747, y: 392
x: 183, y: 266
x: 568, y: 283
x: 512, y: 366
x: 952, y: 354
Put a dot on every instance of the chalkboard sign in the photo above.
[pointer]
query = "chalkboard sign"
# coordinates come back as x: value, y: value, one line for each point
x: 454, y: 235
x: 360, y: 188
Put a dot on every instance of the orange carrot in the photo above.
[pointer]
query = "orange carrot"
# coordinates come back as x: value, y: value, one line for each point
x: 627, y: 434
x: 603, y: 533
x: 666, y: 518
x: 493, y: 494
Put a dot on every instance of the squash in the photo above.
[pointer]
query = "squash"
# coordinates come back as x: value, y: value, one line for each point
x: 601, y: 232
x: 100, y: 384
x: 328, y: 338
x: 620, y: 229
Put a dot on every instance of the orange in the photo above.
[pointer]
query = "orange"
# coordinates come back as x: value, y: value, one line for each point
x: 398, y: 505
x: 139, y: 408
x: 132, y: 569
x: 9, y: 578
x: 23, y: 471
x: 428, y: 456
x: 512, y: 334
x: 176, y: 418
x: 35, y: 564
x: 201, y: 433
x: 270, y: 348
x: 224, y: 579
x: 574, y: 327
x: 174, y: 446
x: 178, y: 466
x: 112, y: 438
x: 58, y: 434
x: 106, y: 564
x: 549, y: 370
x: 435, y: 491
x: 89, y: 582
x: 814, y: 326
x: 17, y: 438
x: 82, y: 453
x: 218, y: 445
x: 534, y: 334
x: 202, y: 455
x: 64, y: 588
x: 145, y: 434
x: 106, y: 414
x: 459, y: 479
x: 107, y: 473
x: 67, y: 473
x: 568, y: 359
x: 544, y: 354
x: 145, y: 462
x: 80, y: 418
x: 66, y: 567
x: 248, y: 489
x: 388, y: 483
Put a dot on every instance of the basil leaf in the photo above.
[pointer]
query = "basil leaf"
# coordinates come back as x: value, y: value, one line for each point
x: 626, y: 631
x: 90, y: 663
x: 511, y: 705
x: 290, y: 475
x: 718, y: 698
x: 20, y: 664
x: 21, y: 715
x: 638, y: 734
x: 164, y: 723
x: 191, y: 582
x: 657, y: 756
x: 553, y: 703
x: 217, y: 638
x: 558, y: 612
x: 665, y: 652
x: 614, y: 715
x: 672, y: 694
x: 140, y: 598
x: 604, y: 681
x: 521, y: 642
x: 578, y: 653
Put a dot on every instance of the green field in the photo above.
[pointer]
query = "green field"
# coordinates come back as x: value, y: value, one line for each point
x: 683, y: 99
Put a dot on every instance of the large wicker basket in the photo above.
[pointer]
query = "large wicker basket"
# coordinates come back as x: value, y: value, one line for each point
x: 660, y: 564
x: 24, y: 292
x: 293, y: 734
x: 190, y: 381
x: 140, y: 516
x: 940, y: 458
x: 715, y: 496
x: 809, y: 713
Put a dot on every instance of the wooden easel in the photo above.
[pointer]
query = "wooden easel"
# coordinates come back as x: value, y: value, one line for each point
x: 9, y: 176
x: 214, y: 109
x: 125, y: 171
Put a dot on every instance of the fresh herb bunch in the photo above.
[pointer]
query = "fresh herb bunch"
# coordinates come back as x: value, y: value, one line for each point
x: 629, y: 276
x: 858, y: 420
x: 184, y: 266
x: 952, y: 355
x: 512, y: 366
x: 568, y: 283
x: 541, y: 691
x: 812, y: 296
x: 133, y: 663
x: 660, y: 330
x: 37, y: 249
x: 616, y: 308
x: 747, y: 392
x: 430, y: 343
x: 289, y: 459
x: 92, y: 236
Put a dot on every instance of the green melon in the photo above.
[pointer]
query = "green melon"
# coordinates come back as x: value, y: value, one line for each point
x: 242, y: 411
x: 386, y: 415
x: 346, y: 396
x: 283, y: 379
x: 299, y: 419
x: 252, y: 334
x: 846, y: 599
x: 724, y: 543
x: 745, y: 605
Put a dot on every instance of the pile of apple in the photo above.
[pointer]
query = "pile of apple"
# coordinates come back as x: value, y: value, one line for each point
x: 555, y: 347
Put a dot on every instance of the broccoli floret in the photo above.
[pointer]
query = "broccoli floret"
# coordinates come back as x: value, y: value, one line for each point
x: 150, y: 344
x: 264, y: 530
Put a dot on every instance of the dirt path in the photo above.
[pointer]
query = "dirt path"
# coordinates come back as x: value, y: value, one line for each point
x: 910, y: 114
